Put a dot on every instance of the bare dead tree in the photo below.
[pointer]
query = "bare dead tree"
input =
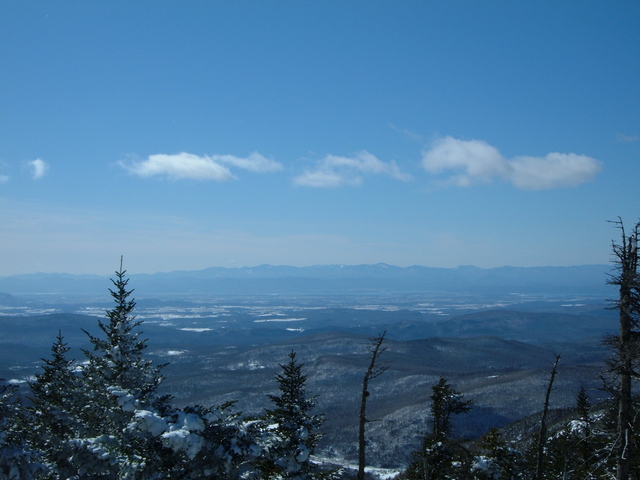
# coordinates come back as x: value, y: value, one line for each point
x: 626, y: 345
x: 542, y: 438
x: 373, y: 371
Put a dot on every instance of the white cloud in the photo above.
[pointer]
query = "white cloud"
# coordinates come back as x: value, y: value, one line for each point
x: 181, y: 165
x: 253, y: 163
x: 38, y: 168
x: 555, y: 170
x: 478, y: 160
x: 187, y: 165
x: 470, y: 162
x: 325, y: 179
x: 336, y: 171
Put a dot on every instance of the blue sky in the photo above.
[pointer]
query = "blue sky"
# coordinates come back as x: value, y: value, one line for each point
x: 185, y: 135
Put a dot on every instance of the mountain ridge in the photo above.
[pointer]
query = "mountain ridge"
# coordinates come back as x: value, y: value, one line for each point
x: 325, y: 279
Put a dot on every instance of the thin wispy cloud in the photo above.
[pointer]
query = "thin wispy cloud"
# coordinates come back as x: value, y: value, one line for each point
x: 38, y: 168
x: 336, y: 171
x: 253, y: 163
x: 416, y: 137
x: 627, y: 138
x: 207, y: 167
x: 471, y: 162
x: 3, y: 178
x: 326, y: 179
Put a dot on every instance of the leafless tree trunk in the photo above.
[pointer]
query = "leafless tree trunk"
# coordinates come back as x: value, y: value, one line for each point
x: 628, y: 306
x: 542, y: 439
x: 375, y: 349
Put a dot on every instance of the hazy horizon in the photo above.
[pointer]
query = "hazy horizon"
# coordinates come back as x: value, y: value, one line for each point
x: 190, y: 135
x: 248, y: 267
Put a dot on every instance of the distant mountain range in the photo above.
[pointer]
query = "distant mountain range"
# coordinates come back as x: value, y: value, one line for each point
x: 330, y: 279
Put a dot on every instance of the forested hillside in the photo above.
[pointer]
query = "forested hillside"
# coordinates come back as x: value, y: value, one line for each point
x: 115, y: 415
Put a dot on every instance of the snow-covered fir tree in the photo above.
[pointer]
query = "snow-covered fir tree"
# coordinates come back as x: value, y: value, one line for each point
x: 212, y: 443
x: 56, y: 400
x: 118, y: 360
x: 289, y: 431
x: 17, y: 460
x: 581, y: 447
x: 120, y: 426
x: 120, y: 382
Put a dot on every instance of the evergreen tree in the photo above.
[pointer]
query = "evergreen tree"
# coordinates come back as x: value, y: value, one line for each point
x: 562, y: 459
x: 583, y: 407
x: 446, y: 401
x: 121, y: 398
x: 586, y: 447
x: 582, y: 449
x: 56, y: 398
x: 211, y: 443
x: 17, y: 460
x: 118, y: 360
x: 571, y: 454
x: 290, y: 430
x: 441, y: 457
x: 496, y: 460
